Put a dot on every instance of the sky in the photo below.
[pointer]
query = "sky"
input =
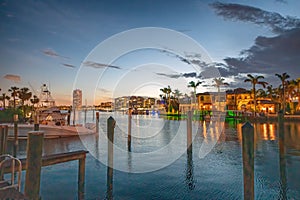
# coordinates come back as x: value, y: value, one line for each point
x: 115, y: 48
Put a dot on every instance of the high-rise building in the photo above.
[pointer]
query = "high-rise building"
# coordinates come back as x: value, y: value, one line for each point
x: 77, y: 98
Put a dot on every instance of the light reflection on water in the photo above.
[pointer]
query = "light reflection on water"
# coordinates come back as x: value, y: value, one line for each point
x: 217, y: 176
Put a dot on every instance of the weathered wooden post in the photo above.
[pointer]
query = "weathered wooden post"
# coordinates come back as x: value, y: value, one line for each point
x: 36, y: 121
x: 16, y: 129
x: 81, y: 177
x: 3, y: 139
x: 282, y: 162
x: 33, y: 164
x: 3, y: 144
x: 110, y: 135
x: 129, y: 129
x: 74, y: 115
x: 69, y: 117
x: 248, y: 160
x: 94, y: 114
x: 189, y: 130
x: 85, y: 115
x: 97, y: 122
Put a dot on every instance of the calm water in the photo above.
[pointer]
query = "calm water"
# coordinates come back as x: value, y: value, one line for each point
x: 216, y: 176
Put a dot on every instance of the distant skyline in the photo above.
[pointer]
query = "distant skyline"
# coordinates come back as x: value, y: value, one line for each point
x: 50, y: 42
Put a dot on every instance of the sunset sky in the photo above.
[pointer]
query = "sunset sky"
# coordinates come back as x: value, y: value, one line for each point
x: 52, y: 42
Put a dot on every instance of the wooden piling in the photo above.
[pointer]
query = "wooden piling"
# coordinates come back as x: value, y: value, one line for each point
x: 3, y: 145
x: 34, y: 164
x: 189, y: 129
x: 248, y: 160
x: 36, y: 121
x: 129, y: 129
x: 3, y: 139
x: 110, y: 135
x: 97, y: 122
x: 81, y: 177
x: 16, y: 129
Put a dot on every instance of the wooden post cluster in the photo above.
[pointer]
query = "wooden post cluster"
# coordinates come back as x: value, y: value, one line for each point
x: 110, y: 135
x: 34, y: 164
x: 248, y: 160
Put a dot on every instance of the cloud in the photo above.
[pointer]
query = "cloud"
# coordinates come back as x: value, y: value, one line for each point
x: 176, y: 76
x: 275, y: 21
x: 103, y: 90
x: 169, y: 53
x: 270, y: 55
x: 68, y: 65
x: 52, y: 53
x: 12, y: 77
x: 99, y: 65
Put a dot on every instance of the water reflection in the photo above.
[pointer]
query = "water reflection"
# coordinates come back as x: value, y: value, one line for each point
x: 282, y: 161
x: 189, y: 175
x: 277, y: 163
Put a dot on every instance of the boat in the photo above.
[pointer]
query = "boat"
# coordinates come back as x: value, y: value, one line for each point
x: 48, y: 112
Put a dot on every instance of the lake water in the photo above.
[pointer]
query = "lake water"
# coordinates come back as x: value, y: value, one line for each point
x: 159, y: 167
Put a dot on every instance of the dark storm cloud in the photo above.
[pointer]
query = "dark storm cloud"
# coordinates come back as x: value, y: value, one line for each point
x: 275, y: 21
x: 268, y: 55
x: 271, y: 55
x: 99, y: 65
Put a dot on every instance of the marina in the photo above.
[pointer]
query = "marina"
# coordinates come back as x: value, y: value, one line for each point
x: 216, y: 176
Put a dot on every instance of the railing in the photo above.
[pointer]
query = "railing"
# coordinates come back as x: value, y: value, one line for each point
x: 13, y: 163
x: 60, y: 158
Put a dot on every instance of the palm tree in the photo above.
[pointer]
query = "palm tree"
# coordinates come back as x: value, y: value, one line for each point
x: 270, y: 92
x: 167, y: 91
x: 35, y: 100
x: 283, y: 77
x: 254, y: 80
x: 219, y: 82
x: 14, y: 94
x: 261, y: 93
x: 24, y: 95
x: 194, y: 85
x: 4, y: 98
x: 177, y: 94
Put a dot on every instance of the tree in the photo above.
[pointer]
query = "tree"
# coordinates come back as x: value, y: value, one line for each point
x: 177, y: 94
x: 167, y: 91
x: 254, y: 80
x: 194, y: 85
x: 271, y: 92
x: 35, y: 100
x: 14, y: 94
x: 4, y: 97
x: 283, y: 78
x: 24, y: 95
x: 218, y: 83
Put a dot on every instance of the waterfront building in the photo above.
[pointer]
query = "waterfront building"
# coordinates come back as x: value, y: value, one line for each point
x: 137, y: 103
x: 77, y: 98
x: 241, y: 99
